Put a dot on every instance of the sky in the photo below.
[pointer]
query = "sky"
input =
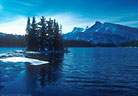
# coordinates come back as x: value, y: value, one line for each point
x: 69, y: 13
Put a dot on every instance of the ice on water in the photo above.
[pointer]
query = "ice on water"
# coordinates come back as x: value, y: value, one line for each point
x: 23, y: 59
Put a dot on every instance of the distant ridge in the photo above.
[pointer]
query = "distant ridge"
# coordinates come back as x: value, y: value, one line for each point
x: 10, y: 40
x: 105, y: 33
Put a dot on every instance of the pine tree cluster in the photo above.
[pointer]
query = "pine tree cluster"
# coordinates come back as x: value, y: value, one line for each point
x: 45, y: 35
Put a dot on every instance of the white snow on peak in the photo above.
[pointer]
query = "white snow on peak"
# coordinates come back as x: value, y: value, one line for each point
x: 23, y: 59
x: 99, y: 28
x: 77, y: 29
x: 106, y: 28
x: 114, y: 29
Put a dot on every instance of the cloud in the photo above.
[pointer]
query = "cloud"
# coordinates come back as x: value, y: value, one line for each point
x: 30, y: 4
x: 68, y: 21
x: 17, y: 26
x: 129, y: 19
x: 1, y: 7
x: 130, y: 23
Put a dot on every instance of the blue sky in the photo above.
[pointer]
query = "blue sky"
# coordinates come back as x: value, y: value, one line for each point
x: 69, y: 13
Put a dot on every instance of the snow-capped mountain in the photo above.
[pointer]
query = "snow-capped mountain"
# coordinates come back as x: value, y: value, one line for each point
x: 77, y: 29
x: 72, y: 35
x: 104, y: 33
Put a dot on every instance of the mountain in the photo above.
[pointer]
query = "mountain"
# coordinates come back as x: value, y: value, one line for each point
x: 104, y: 33
x: 72, y: 35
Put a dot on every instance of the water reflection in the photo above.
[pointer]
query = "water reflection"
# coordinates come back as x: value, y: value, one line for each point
x: 0, y: 82
x: 83, y: 72
x: 44, y: 75
x: 9, y: 72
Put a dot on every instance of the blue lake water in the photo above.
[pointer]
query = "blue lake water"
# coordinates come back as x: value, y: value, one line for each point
x: 82, y: 72
x: 7, y: 50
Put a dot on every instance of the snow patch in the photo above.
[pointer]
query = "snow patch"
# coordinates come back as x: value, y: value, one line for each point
x: 114, y: 30
x: 32, y: 52
x: 23, y: 59
x: 106, y: 28
x: 96, y: 30
x: 2, y: 54
x: 19, y: 51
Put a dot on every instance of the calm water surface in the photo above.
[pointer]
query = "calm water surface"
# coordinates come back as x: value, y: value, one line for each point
x: 82, y: 72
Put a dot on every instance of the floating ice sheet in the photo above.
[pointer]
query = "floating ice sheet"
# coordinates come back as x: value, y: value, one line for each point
x: 23, y: 59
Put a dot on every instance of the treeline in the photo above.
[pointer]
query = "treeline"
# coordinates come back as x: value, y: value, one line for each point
x: 10, y: 40
x: 45, y: 35
x: 105, y: 45
x: 77, y: 43
x: 129, y: 44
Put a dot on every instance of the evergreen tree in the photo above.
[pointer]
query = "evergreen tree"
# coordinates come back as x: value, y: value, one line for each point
x: 61, y: 39
x: 50, y: 34
x: 35, y: 36
x: 28, y: 35
x: 56, y: 36
x: 58, y: 42
x: 28, y: 26
x: 32, y: 35
x: 44, y: 35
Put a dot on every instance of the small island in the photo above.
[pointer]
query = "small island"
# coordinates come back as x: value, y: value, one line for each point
x: 44, y: 36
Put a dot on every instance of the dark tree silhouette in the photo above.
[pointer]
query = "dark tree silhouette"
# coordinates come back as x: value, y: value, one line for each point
x: 44, y: 35
x: 34, y: 36
x: 28, y: 34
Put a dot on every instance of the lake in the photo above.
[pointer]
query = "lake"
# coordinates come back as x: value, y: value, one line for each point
x: 82, y: 72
